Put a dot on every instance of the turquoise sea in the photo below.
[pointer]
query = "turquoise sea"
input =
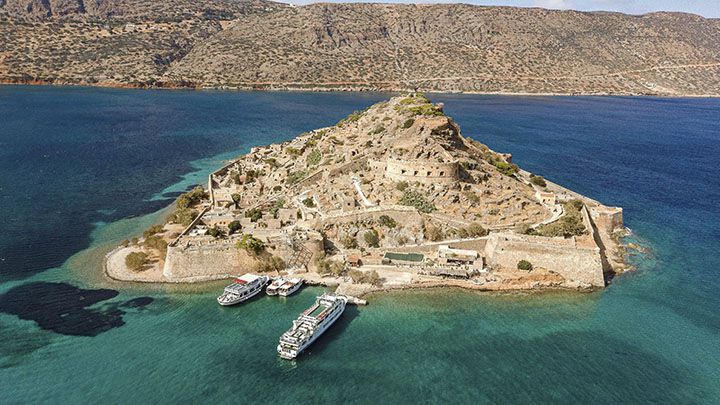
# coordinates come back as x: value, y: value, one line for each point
x: 82, y: 169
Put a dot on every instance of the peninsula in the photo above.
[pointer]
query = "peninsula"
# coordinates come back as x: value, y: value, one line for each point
x: 264, y: 45
x: 390, y: 197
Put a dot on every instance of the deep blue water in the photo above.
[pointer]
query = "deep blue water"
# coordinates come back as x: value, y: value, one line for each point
x: 81, y: 169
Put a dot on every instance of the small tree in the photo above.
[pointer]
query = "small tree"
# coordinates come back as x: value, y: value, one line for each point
x: 254, y: 214
x: 372, y: 238
x: 157, y: 243
x: 251, y: 245
x: 183, y: 216
x: 538, y: 180
x: 236, y: 197
x: 476, y: 230
x: 524, y: 265
x: 387, y: 221
x: 135, y: 261
x: 309, y: 202
x: 357, y: 276
x: 216, y: 232
x: 401, y: 186
x: 234, y: 226
x: 372, y: 277
x: 349, y: 242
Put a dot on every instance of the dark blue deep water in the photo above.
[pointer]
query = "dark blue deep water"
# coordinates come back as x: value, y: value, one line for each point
x: 81, y: 169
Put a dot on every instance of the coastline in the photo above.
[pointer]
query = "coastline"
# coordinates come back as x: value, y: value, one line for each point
x: 279, y: 87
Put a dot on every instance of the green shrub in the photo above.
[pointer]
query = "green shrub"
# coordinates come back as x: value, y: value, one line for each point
x: 387, y: 221
x: 372, y: 238
x: 524, y: 265
x: 155, y: 229
x: 355, y: 116
x: 254, y: 214
x: 279, y: 203
x: 538, y: 180
x: 506, y: 168
x: 330, y: 267
x: 251, y: 245
x: 401, y: 186
x: 570, y: 224
x: 309, y: 202
x: 408, y: 123
x: 135, y: 261
x: 157, y: 243
x: 472, y: 197
x: 292, y: 151
x: 427, y: 110
x: 417, y: 98
x: 295, y: 177
x: 236, y: 198
x: 414, y: 199
x: 183, y: 216
x: 216, y: 232
x: 313, y: 158
x: 191, y: 198
x: 349, y: 242
x: 234, y: 226
x: 360, y: 277
x: 272, y: 162
x: 378, y: 130
x: 476, y: 230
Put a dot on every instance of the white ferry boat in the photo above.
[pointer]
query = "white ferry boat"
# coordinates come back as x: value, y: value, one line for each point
x: 272, y: 289
x: 243, y: 288
x: 311, y: 324
x: 290, y: 286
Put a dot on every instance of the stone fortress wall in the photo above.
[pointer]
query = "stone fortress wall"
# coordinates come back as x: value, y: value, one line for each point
x: 577, y: 264
x: 417, y: 170
x: 205, y: 262
x: 405, y: 215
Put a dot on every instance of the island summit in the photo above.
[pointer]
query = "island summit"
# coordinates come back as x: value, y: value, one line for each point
x: 390, y: 197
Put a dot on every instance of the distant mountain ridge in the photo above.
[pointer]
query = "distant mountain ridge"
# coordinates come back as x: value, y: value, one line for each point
x: 443, y: 47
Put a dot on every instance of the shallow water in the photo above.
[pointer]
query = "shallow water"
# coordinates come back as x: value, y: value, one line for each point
x: 81, y: 169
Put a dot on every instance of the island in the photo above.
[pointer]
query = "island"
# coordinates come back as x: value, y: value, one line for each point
x: 391, y: 197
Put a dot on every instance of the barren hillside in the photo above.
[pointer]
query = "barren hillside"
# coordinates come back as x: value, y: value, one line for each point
x: 445, y: 47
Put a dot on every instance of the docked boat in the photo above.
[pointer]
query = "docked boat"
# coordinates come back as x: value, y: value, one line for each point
x: 290, y: 286
x: 272, y: 289
x: 311, y: 324
x: 242, y: 288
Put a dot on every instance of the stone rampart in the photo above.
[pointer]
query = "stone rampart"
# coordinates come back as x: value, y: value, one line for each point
x: 205, y: 262
x: 421, y: 171
x: 576, y: 264
x: 407, y: 216
x: 311, y: 179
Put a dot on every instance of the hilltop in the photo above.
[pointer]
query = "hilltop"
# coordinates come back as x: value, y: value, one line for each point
x: 445, y: 47
x: 395, y: 189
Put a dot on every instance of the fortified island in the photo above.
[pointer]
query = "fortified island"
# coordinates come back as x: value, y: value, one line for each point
x: 390, y: 197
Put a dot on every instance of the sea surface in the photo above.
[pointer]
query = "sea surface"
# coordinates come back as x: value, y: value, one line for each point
x: 82, y: 169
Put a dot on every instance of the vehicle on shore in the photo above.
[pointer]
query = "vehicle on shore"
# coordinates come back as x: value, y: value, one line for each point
x: 290, y: 286
x: 272, y: 288
x: 312, y: 323
x: 242, y: 289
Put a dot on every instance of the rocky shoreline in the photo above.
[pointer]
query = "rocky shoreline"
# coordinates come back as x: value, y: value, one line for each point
x: 323, y: 89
